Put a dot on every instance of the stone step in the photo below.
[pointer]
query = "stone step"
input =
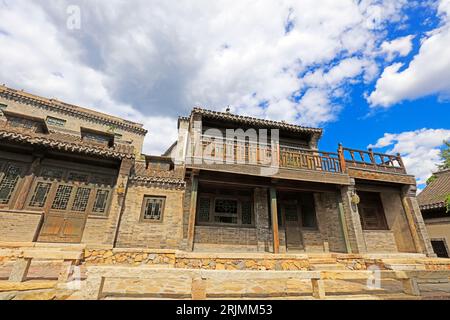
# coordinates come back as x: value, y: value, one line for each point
x: 322, y: 260
x: 400, y: 261
x: 327, y: 266
x: 404, y: 267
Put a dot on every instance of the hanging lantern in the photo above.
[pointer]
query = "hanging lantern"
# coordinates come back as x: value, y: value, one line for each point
x: 355, y: 199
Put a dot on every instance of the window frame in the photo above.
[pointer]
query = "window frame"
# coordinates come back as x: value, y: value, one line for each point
x: 57, y: 122
x: 380, y: 212
x: 213, y: 214
x: 144, y: 206
x: 4, y: 164
x: 444, y: 242
x: 76, y: 185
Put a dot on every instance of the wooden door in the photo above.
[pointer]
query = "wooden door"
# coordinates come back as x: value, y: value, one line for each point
x: 66, y: 215
x: 292, y: 223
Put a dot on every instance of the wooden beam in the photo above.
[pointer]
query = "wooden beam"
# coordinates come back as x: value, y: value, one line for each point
x: 192, y: 212
x: 274, y: 211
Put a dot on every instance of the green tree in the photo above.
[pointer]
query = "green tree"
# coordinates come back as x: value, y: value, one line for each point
x: 447, y: 202
x: 445, y: 155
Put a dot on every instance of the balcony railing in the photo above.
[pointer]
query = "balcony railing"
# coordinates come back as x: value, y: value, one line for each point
x: 372, y: 160
x: 219, y: 150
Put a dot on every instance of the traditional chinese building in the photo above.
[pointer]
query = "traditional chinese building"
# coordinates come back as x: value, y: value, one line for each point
x: 434, y: 207
x: 73, y: 175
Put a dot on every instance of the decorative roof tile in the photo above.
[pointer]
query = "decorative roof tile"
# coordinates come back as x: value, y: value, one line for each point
x: 161, y: 177
x: 63, y: 142
x: 433, y: 196
x: 255, y: 121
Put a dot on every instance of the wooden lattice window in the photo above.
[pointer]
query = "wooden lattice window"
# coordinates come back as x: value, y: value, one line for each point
x: 101, y: 201
x: 153, y: 208
x: 247, y: 212
x: 62, y: 197
x: 70, y: 190
x: 40, y: 194
x: 308, y: 211
x: 204, y: 207
x: 9, y: 182
x: 225, y: 206
x: 226, y: 211
x: 371, y: 211
x: 81, y: 200
x: 291, y: 212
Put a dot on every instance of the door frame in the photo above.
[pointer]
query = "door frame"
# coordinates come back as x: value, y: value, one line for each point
x: 298, y: 226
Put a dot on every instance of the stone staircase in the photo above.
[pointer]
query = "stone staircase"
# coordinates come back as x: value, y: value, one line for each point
x: 325, y: 263
x: 402, y: 264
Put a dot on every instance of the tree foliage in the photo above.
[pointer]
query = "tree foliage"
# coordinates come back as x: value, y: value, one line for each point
x: 445, y: 155
x: 447, y: 202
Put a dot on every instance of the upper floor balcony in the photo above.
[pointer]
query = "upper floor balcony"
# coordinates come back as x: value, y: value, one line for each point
x: 291, y: 162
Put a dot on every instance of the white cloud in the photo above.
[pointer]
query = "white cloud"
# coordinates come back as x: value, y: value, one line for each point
x: 152, y: 60
x: 397, y: 47
x: 420, y: 149
x: 427, y: 74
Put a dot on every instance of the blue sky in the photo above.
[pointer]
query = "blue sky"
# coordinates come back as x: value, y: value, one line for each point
x: 370, y: 72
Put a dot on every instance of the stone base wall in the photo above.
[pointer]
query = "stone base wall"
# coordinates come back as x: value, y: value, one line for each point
x: 217, y: 263
x: 380, y: 241
x: 128, y: 257
x: 19, y: 226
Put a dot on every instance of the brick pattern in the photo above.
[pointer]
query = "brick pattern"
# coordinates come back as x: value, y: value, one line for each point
x: 262, y: 212
x: 328, y: 220
x: 165, y: 234
x: 18, y: 226
x: 380, y: 241
x: 313, y: 241
x: 225, y: 236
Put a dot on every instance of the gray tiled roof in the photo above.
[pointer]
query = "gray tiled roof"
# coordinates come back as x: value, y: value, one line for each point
x: 433, y: 196
x: 255, y: 121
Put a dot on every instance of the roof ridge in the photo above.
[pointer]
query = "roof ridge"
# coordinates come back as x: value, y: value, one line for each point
x: 267, y: 121
x: 11, y: 93
x: 442, y: 171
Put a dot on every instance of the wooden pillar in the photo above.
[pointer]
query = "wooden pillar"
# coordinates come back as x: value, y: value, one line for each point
x: 27, y: 184
x: 274, y: 212
x: 342, y: 158
x: 192, y: 212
